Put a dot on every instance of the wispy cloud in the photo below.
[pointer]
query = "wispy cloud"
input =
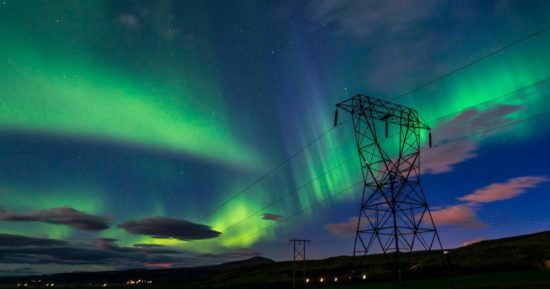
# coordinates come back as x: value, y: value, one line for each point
x: 461, y: 215
x: 162, y: 227
x: 442, y: 159
x: 103, y: 252
x: 465, y: 214
x: 362, y: 19
x: 273, y: 217
x: 11, y: 240
x: 473, y: 241
x: 452, y: 151
x: 158, y: 17
x: 238, y: 253
x: 128, y: 21
x: 401, y: 51
x: 60, y: 216
x: 343, y: 230
x: 474, y: 120
x: 504, y: 191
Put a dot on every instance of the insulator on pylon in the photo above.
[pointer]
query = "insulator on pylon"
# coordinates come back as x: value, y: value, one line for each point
x: 391, y: 183
x: 336, y: 117
x: 387, y: 128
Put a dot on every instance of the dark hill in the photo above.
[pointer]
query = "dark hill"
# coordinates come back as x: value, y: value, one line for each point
x: 519, y: 253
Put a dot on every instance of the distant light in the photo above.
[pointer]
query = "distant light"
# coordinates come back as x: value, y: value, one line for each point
x: 25, y: 284
x: 322, y: 280
x: 104, y: 285
x: 307, y: 280
x: 51, y: 285
x: 335, y: 279
x: 364, y: 276
x: 445, y: 252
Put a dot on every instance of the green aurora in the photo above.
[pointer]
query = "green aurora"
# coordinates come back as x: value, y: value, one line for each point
x: 72, y: 92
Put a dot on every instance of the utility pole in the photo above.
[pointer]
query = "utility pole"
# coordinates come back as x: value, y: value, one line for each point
x: 394, y: 217
x: 299, y: 246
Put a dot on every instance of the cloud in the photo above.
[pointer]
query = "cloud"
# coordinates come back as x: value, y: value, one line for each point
x: 457, y: 215
x: 238, y: 253
x: 362, y: 19
x: 462, y: 215
x: 474, y: 120
x: 343, y: 230
x: 402, y: 47
x: 17, y: 271
x: 441, y: 159
x: 60, y: 216
x: 473, y: 241
x: 10, y: 240
x: 157, y: 17
x: 451, y: 151
x: 165, y: 265
x: 103, y: 253
x: 504, y: 191
x: 399, y: 27
x: 128, y: 21
x: 162, y: 227
x: 273, y: 217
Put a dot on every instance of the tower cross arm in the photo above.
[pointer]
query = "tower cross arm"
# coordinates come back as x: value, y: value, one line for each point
x: 382, y: 110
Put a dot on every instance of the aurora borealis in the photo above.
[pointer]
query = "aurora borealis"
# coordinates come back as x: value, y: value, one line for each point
x: 154, y: 118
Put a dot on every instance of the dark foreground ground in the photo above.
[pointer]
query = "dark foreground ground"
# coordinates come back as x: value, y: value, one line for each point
x: 506, y: 280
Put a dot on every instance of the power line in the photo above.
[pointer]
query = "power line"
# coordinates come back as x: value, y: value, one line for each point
x: 460, y: 68
x: 301, y: 211
x: 324, y: 173
x: 546, y: 113
x: 495, y: 221
x: 302, y: 149
x: 274, y: 202
x: 340, y: 164
x: 506, y: 94
x: 268, y: 173
x: 542, y: 114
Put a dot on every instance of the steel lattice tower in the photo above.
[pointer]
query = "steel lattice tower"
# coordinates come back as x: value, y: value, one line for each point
x: 299, y: 255
x: 394, y: 217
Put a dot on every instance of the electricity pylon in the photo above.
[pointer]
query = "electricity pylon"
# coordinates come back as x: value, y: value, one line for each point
x: 299, y: 254
x: 394, y: 217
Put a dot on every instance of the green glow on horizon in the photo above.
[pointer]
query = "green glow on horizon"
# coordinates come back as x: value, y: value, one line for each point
x: 242, y: 234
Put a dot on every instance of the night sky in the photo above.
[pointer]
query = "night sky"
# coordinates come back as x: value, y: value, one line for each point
x: 145, y: 133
